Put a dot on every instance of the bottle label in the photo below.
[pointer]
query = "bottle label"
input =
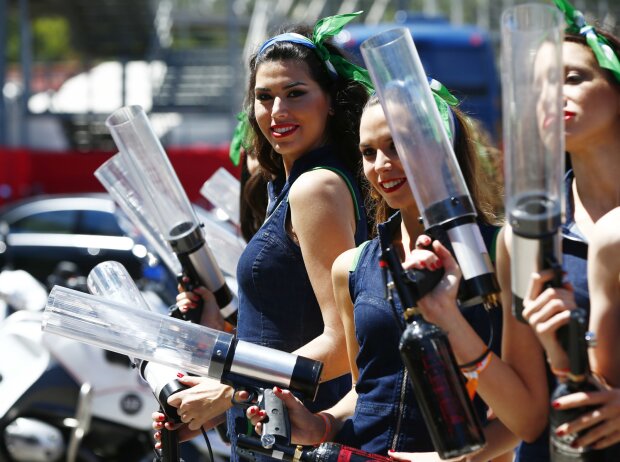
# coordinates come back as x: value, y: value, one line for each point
x: 449, y: 408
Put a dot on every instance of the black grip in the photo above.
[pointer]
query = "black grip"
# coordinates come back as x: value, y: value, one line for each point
x: 194, y: 314
x: 411, y: 284
x: 169, y: 451
x: 421, y: 282
x: 572, y: 337
x: 276, y: 426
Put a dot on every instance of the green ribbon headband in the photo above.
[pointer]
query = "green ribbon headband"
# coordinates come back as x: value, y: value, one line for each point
x: 443, y: 100
x: 324, y: 28
x: 239, y: 138
x: 328, y: 27
x: 601, y: 47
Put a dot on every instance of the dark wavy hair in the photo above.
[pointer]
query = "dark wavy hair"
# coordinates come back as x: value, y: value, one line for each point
x: 468, y: 148
x: 348, y: 98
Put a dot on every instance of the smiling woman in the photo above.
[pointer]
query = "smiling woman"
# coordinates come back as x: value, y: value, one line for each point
x: 291, y: 109
x: 303, y: 106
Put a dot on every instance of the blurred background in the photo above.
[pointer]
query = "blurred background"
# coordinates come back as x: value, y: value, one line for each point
x: 67, y: 64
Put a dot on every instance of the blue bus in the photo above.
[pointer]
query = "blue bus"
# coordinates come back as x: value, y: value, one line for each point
x: 459, y: 56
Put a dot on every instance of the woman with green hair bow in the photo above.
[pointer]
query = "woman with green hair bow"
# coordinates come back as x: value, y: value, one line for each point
x: 303, y: 106
x: 591, y: 93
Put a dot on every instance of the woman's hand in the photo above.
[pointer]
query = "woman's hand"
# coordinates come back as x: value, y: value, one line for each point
x: 306, y: 427
x: 189, y: 300
x: 439, y: 305
x: 546, y: 310
x: 204, y: 400
x: 601, y: 426
x: 201, y: 405
x: 160, y: 423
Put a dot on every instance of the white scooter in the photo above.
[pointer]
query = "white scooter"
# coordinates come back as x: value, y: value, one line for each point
x: 65, y: 400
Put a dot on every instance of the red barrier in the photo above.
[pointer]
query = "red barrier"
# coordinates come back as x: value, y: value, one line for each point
x: 25, y: 173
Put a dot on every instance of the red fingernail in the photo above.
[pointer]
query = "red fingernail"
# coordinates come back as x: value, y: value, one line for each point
x: 161, y: 418
x: 252, y: 411
x: 423, y: 264
x: 560, y: 432
x: 180, y: 374
x: 278, y: 389
x: 555, y: 404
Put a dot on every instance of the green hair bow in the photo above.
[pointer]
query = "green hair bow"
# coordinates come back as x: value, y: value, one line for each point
x: 601, y: 47
x: 239, y: 138
x: 328, y: 27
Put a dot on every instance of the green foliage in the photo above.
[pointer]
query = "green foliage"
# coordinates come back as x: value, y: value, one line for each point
x: 51, y: 38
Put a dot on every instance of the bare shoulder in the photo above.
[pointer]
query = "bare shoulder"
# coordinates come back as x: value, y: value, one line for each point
x: 342, y: 264
x: 606, y: 234
x: 317, y: 185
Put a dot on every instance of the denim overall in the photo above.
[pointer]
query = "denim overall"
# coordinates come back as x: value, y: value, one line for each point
x: 387, y: 415
x: 574, y: 255
x: 277, y: 305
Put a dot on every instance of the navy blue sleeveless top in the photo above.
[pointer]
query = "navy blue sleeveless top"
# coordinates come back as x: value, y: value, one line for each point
x: 277, y: 305
x: 574, y: 263
x: 387, y: 415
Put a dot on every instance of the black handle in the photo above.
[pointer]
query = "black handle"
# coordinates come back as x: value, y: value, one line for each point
x: 411, y: 284
x: 169, y: 451
x: 192, y: 315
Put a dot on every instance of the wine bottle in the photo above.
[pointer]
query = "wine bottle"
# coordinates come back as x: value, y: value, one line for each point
x: 325, y: 452
x: 578, y: 379
x: 439, y: 387
x: 437, y: 381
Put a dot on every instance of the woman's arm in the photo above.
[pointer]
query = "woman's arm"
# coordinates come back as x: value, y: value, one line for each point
x: 604, y: 287
x: 520, y: 374
x: 323, y: 221
x: 340, y: 280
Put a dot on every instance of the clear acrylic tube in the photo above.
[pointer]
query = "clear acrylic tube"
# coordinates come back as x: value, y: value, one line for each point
x: 182, y: 345
x: 166, y: 204
x: 148, y: 163
x: 416, y: 127
x: 134, y: 332
x: 110, y: 280
x: 532, y: 81
x: 115, y: 177
x: 223, y: 190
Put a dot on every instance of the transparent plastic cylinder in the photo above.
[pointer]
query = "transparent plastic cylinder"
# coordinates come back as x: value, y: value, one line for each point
x: 110, y: 280
x: 134, y: 332
x: 115, y: 177
x: 222, y: 189
x: 533, y: 117
x: 147, y: 161
x: 416, y: 127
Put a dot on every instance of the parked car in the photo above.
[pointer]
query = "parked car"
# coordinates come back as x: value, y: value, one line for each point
x: 85, y: 229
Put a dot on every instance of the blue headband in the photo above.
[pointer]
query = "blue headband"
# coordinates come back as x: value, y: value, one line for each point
x: 336, y: 65
x: 293, y: 37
